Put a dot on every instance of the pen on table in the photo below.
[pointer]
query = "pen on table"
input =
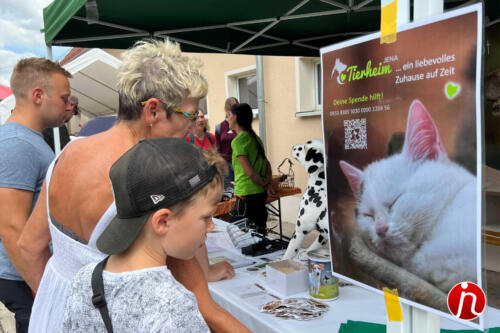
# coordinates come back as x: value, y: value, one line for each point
x: 259, y: 286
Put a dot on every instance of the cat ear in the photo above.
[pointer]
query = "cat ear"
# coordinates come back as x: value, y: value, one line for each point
x: 422, y: 141
x: 354, y: 177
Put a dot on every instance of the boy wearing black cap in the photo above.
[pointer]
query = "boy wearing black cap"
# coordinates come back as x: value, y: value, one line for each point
x: 166, y: 191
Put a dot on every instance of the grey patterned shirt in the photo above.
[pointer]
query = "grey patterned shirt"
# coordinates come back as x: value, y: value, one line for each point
x: 147, y: 300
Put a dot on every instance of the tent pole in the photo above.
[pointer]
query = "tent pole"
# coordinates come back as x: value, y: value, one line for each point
x: 414, y: 319
x: 57, y: 140
x: 404, y: 326
x: 427, y: 8
x: 49, y: 52
x: 260, y: 100
x: 407, y: 310
x: 424, y: 321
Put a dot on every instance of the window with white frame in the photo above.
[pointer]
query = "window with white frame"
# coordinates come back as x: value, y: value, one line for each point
x: 247, y: 90
x: 242, y: 84
x: 308, y: 74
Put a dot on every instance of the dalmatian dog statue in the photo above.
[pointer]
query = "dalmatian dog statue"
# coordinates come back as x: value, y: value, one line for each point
x: 312, y: 211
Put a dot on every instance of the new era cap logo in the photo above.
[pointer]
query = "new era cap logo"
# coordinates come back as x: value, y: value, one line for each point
x: 157, y: 198
x: 194, y: 181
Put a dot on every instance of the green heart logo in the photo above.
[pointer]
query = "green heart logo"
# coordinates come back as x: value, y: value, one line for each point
x: 342, y: 77
x: 451, y: 90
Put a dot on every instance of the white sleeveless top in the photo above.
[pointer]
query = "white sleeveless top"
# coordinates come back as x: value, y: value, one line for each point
x: 68, y: 257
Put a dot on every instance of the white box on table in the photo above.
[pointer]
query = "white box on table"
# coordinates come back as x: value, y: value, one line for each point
x: 287, y: 277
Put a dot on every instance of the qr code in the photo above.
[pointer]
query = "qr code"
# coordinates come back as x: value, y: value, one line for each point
x: 355, y: 134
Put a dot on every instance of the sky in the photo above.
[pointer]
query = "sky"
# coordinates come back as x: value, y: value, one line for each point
x: 20, y: 37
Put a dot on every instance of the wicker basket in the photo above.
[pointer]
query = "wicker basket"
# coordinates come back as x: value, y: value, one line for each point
x: 284, y: 179
x: 281, y: 181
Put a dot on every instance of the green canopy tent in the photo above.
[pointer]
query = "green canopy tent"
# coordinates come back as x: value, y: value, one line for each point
x: 259, y: 27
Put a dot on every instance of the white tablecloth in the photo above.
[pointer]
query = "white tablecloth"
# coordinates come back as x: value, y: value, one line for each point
x: 354, y: 303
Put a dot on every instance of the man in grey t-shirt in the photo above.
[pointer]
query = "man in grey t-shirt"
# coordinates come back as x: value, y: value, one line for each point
x: 41, y: 89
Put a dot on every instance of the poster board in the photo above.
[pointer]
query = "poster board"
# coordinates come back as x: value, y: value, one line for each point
x: 403, y: 131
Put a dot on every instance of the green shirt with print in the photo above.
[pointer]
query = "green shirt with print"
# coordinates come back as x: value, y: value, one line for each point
x: 245, y: 144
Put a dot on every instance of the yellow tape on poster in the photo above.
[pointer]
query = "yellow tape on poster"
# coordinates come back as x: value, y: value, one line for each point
x: 388, y: 21
x: 394, y: 312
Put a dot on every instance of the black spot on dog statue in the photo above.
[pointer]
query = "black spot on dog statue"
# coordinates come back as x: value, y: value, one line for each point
x: 312, y: 211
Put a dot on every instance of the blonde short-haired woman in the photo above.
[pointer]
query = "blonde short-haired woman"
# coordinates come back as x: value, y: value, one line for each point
x: 159, y: 89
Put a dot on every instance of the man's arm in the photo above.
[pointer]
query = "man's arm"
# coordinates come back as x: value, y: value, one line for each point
x: 34, y: 243
x: 15, y: 206
x: 189, y: 273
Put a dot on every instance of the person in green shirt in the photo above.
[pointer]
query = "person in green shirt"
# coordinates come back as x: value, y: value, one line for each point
x: 252, y: 170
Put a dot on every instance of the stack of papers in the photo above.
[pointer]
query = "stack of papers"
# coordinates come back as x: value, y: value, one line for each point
x: 234, y: 259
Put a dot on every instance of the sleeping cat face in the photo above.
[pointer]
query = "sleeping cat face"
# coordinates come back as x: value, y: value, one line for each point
x: 397, y: 195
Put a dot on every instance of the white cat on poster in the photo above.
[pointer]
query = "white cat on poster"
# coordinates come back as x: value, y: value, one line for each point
x: 417, y: 208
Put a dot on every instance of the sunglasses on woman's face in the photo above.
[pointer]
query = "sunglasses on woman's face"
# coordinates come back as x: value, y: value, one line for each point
x: 176, y: 109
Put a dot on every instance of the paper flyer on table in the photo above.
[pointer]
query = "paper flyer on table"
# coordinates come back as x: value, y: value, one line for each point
x: 254, y: 294
x: 217, y: 240
x: 234, y: 259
